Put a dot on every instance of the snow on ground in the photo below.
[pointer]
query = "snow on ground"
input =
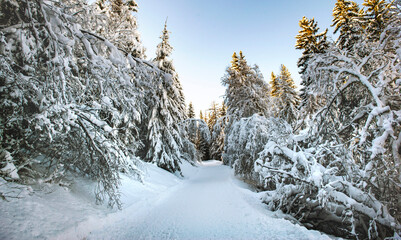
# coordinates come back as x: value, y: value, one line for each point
x: 208, y: 203
x: 52, y: 212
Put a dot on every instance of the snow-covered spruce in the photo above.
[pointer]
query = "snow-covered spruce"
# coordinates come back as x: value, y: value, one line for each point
x: 247, y: 93
x: 165, y: 141
x: 199, y: 134
x: 284, y: 96
x: 247, y: 139
x: 217, y: 138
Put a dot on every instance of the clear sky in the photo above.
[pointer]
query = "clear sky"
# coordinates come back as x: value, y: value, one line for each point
x: 205, y: 34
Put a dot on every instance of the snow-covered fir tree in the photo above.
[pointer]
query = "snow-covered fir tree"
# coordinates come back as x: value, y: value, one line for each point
x: 199, y: 135
x: 218, y: 138
x: 346, y: 19
x: 163, y: 52
x: 214, y: 114
x: 285, y: 97
x: 166, y: 143
x: 191, y: 112
x: 246, y: 94
x: 310, y: 41
x: 217, y: 124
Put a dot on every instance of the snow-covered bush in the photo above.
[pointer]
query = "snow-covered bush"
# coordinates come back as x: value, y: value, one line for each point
x: 322, y: 194
x: 321, y: 186
x: 247, y: 139
x: 313, y: 178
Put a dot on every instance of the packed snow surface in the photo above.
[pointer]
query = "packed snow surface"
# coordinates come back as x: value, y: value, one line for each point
x: 209, y: 203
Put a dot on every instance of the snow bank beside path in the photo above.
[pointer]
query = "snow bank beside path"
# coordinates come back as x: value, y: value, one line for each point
x: 54, y: 212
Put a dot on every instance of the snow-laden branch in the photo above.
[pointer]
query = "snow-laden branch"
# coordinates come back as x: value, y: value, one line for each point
x: 358, y: 77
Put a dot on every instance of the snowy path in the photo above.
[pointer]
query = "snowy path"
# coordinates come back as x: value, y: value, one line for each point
x: 209, y: 205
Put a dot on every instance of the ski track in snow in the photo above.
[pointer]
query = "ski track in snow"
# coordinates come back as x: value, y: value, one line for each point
x: 211, y: 204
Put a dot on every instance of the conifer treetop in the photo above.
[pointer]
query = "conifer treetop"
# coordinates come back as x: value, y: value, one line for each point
x: 244, y: 68
x: 377, y: 14
x: 234, y: 62
x: 274, y: 85
x: 347, y: 18
x: 343, y: 13
x: 164, y: 49
x: 191, y: 112
x: 286, y: 76
x: 308, y: 37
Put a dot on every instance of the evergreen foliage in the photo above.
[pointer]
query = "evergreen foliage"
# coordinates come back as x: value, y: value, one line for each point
x: 377, y: 15
x: 74, y: 102
x: 247, y: 93
x: 311, y: 42
x: 346, y: 19
x: 285, y: 97
x: 341, y: 174
x: 117, y: 23
x: 191, y: 112
x: 163, y: 51
x: 166, y: 143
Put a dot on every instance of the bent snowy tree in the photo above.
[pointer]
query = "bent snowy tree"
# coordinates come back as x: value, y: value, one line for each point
x: 71, y: 101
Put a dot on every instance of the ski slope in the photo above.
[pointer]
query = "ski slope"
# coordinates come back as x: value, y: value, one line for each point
x: 211, y: 204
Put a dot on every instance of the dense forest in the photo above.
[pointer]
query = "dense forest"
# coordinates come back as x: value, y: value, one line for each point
x: 79, y: 98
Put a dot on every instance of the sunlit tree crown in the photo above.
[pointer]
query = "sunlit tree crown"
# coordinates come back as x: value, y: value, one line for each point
x: 377, y: 14
x: 308, y: 37
x: 344, y: 12
x: 347, y: 19
x: 234, y: 62
x: 274, y: 85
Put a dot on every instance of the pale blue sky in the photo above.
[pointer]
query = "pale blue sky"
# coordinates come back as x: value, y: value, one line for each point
x: 205, y: 34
